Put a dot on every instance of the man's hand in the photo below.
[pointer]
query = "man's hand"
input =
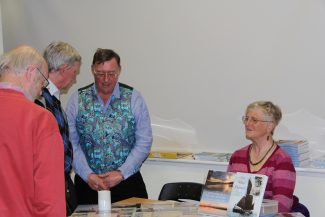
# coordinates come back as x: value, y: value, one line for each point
x: 112, y: 178
x: 96, y: 182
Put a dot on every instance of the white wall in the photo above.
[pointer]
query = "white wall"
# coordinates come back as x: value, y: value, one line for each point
x: 200, y: 61
x: 1, y: 40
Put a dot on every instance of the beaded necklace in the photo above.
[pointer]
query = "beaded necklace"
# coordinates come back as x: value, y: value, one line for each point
x: 257, y: 163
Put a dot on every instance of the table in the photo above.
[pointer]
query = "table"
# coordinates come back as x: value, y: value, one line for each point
x: 140, y: 207
x: 136, y: 207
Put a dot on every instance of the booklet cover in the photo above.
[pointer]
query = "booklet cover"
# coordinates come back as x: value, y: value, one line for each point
x: 212, y: 156
x: 216, y: 192
x: 171, y: 155
x: 247, y: 195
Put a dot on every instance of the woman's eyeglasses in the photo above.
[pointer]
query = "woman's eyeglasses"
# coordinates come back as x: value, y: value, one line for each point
x: 245, y: 120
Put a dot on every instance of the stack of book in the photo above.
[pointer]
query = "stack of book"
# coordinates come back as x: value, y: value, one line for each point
x: 319, y: 162
x: 269, y: 208
x: 298, y: 151
x: 212, y: 156
x: 292, y: 214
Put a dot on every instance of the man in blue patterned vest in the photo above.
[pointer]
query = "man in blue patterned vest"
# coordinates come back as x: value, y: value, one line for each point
x: 110, y: 132
x: 64, y: 63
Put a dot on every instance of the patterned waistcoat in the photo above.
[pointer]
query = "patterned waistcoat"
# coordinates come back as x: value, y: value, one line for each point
x: 106, y: 137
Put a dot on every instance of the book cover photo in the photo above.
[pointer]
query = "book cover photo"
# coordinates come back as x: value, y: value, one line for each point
x: 216, y: 192
x: 247, y: 195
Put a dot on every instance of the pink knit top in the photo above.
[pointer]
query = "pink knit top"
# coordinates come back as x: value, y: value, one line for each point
x: 279, y: 169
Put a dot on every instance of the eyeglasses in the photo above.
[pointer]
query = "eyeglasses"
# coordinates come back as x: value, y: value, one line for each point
x: 109, y: 74
x: 245, y: 120
x: 46, y: 81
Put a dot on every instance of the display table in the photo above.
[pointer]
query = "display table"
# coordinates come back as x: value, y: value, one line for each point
x: 157, y: 172
x: 134, y: 206
x: 151, y: 208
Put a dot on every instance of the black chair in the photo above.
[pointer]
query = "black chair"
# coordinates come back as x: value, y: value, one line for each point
x: 299, y: 207
x: 181, y: 190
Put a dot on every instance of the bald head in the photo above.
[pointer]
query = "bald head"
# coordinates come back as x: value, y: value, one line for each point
x: 19, y: 58
x: 21, y: 66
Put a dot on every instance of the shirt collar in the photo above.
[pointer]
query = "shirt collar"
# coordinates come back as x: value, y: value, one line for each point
x: 54, y: 91
x: 11, y: 86
x: 116, y: 90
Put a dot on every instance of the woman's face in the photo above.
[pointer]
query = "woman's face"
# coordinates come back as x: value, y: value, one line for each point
x: 257, y: 126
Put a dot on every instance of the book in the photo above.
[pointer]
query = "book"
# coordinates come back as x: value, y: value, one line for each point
x: 162, y: 213
x: 86, y: 208
x: 269, y: 207
x: 296, y: 146
x: 247, y: 195
x: 298, y: 151
x: 91, y: 210
x: 170, y: 154
x: 216, y: 192
x: 212, y: 156
x: 291, y: 214
x: 319, y: 162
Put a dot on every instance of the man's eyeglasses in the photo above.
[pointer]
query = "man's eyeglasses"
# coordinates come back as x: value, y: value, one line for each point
x: 245, y: 120
x: 46, y: 81
x: 109, y: 74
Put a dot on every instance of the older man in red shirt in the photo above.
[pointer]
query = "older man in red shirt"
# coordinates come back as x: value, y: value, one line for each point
x: 31, y: 149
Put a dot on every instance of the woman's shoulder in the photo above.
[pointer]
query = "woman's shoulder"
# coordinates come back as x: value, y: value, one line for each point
x: 238, y: 160
x: 242, y: 150
x: 282, y: 159
x: 241, y: 153
x: 281, y: 154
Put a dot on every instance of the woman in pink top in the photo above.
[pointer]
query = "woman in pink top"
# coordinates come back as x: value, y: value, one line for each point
x: 264, y: 156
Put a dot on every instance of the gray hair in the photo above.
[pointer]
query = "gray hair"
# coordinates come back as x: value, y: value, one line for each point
x: 58, y: 53
x: 269, y: 109
x: 19, y: 58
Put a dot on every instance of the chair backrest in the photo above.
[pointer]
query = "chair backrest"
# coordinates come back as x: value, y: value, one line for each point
x: 299, y: 207
x: 181, y: 190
